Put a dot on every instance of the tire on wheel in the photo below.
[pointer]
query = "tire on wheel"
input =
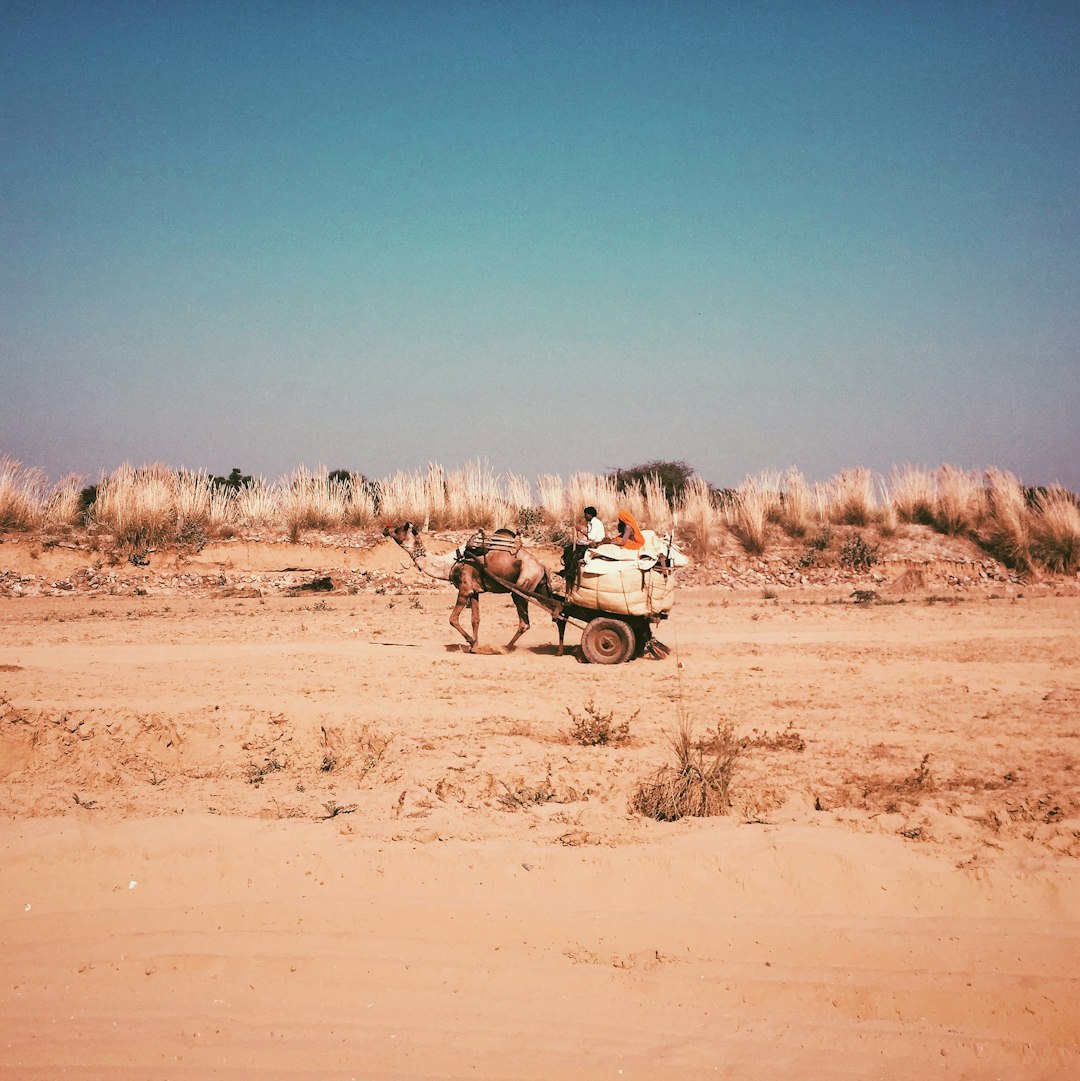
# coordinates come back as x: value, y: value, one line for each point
x: 608, y: 641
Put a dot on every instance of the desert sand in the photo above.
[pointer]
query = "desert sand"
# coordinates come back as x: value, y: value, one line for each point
x: 255, y: 831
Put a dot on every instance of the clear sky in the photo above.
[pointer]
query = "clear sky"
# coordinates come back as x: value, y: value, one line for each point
x: 558, y: 237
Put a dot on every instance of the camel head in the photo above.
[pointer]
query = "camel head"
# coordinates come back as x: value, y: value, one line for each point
x: 405, y: 534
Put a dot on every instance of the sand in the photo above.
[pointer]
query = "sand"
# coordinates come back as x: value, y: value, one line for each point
x: 255, y: 832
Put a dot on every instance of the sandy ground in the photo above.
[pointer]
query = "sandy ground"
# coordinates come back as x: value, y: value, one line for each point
x: 273, y: 836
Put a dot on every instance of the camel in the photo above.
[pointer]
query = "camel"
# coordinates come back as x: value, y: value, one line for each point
x: 506, y: 559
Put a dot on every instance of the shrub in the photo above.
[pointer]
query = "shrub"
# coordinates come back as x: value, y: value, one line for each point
x: 851, y: 499
x: 816, y: 547
x: 234, y: 481
x: 697, y: 515
x: 913, y: 492
x: 597, y: 729
x: 1055, y: 530
x: 137, y: 506
x: 672, y: 478
x: 698, y: 785
x: 22, y: 495
x: 755, y: 501
x: 958, y: 504
x: 798, y: 507
x: 311, y: 500
x: 857, y: 555
x: 1007, y: 538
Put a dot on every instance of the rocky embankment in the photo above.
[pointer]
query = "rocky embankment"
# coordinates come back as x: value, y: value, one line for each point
x: 252, y: 568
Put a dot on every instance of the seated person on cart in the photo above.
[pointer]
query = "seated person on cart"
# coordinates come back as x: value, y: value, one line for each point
x: 629, y: 533
x: 574, y: 554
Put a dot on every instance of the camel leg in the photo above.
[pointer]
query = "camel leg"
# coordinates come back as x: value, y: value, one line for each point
x: 474, y: 604
x: 474, y: 608
x: 522, y: 606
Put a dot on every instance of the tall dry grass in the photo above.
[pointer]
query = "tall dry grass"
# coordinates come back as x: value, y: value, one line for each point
x: 851, y: 499
x: 1007, y: 530
x: 63, y: 504
x: 912, y: 491
x: 1055, y: 531
x: 154, y: 504
x: 22, y: 495
x: 958, y: 501
x: 696, y: 521
x: 474, y: 495
x: 256, y: 506
x: 138, y: 506
x: 312, y: 500
x: 799, y: 510
x: 403, y: 497
x: 754, y: 503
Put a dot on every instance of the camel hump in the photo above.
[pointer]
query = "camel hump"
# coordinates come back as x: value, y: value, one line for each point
x: 502, y: 540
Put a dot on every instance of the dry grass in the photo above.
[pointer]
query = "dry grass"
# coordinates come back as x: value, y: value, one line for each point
x: 696, y: 522
x: 473, y: 495
x: 1007, y: 536
x: 22, y: 495
x: 155, y: 505
x: 851, y: 498
x: 594, y: 728
x: 913, y: 494
x: 958, y: 501
x: 312, y: 500
x: 799, y: 508
x: 755, y: 501
x: 138, y: 506
x: 1055, y: 531
x: 698, y: 785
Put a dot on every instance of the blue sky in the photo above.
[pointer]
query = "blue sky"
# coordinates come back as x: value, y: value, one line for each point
x: 555, y: 236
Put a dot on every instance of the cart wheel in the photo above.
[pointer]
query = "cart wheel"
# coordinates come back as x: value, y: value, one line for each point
x: 607, y: 641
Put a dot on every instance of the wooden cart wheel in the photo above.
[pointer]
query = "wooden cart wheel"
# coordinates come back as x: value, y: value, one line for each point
x: 607, y: 641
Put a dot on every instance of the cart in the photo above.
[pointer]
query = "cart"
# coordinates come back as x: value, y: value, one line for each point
x: 616, y: 624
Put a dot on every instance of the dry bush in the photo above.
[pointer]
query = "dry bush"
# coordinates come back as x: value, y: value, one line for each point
x: 360, y: 508
x: 1055, y: 530
x: 552, y: 499
x: 698, y: 785
x: 404, y: 498
x: 799, y: 510
x: 887, y: 794
x: 473, y: 498
x: 63, y: 504
x: 137, y: 505
x: 311, y: 500
x: 594, y: 728
x: 525, y: 515
x: 1007, y: 536
x: 255, y: 505
x: 697, y: 518
x: 753, y: 504
x: 787, y: 740
x: 657, y: 512
x: 959, y: 501
x: 257, y: 772
x: 191, y: 493
x: 851, y: 499
x: 887, y: 516
x: 434, y: 514
x: 913, y: 492
x: 22, y: 495
x: 521, y: 795
x: 202, y: 505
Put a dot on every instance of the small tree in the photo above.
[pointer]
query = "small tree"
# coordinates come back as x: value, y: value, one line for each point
x: 673, y: 476
x: 234, y: 481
